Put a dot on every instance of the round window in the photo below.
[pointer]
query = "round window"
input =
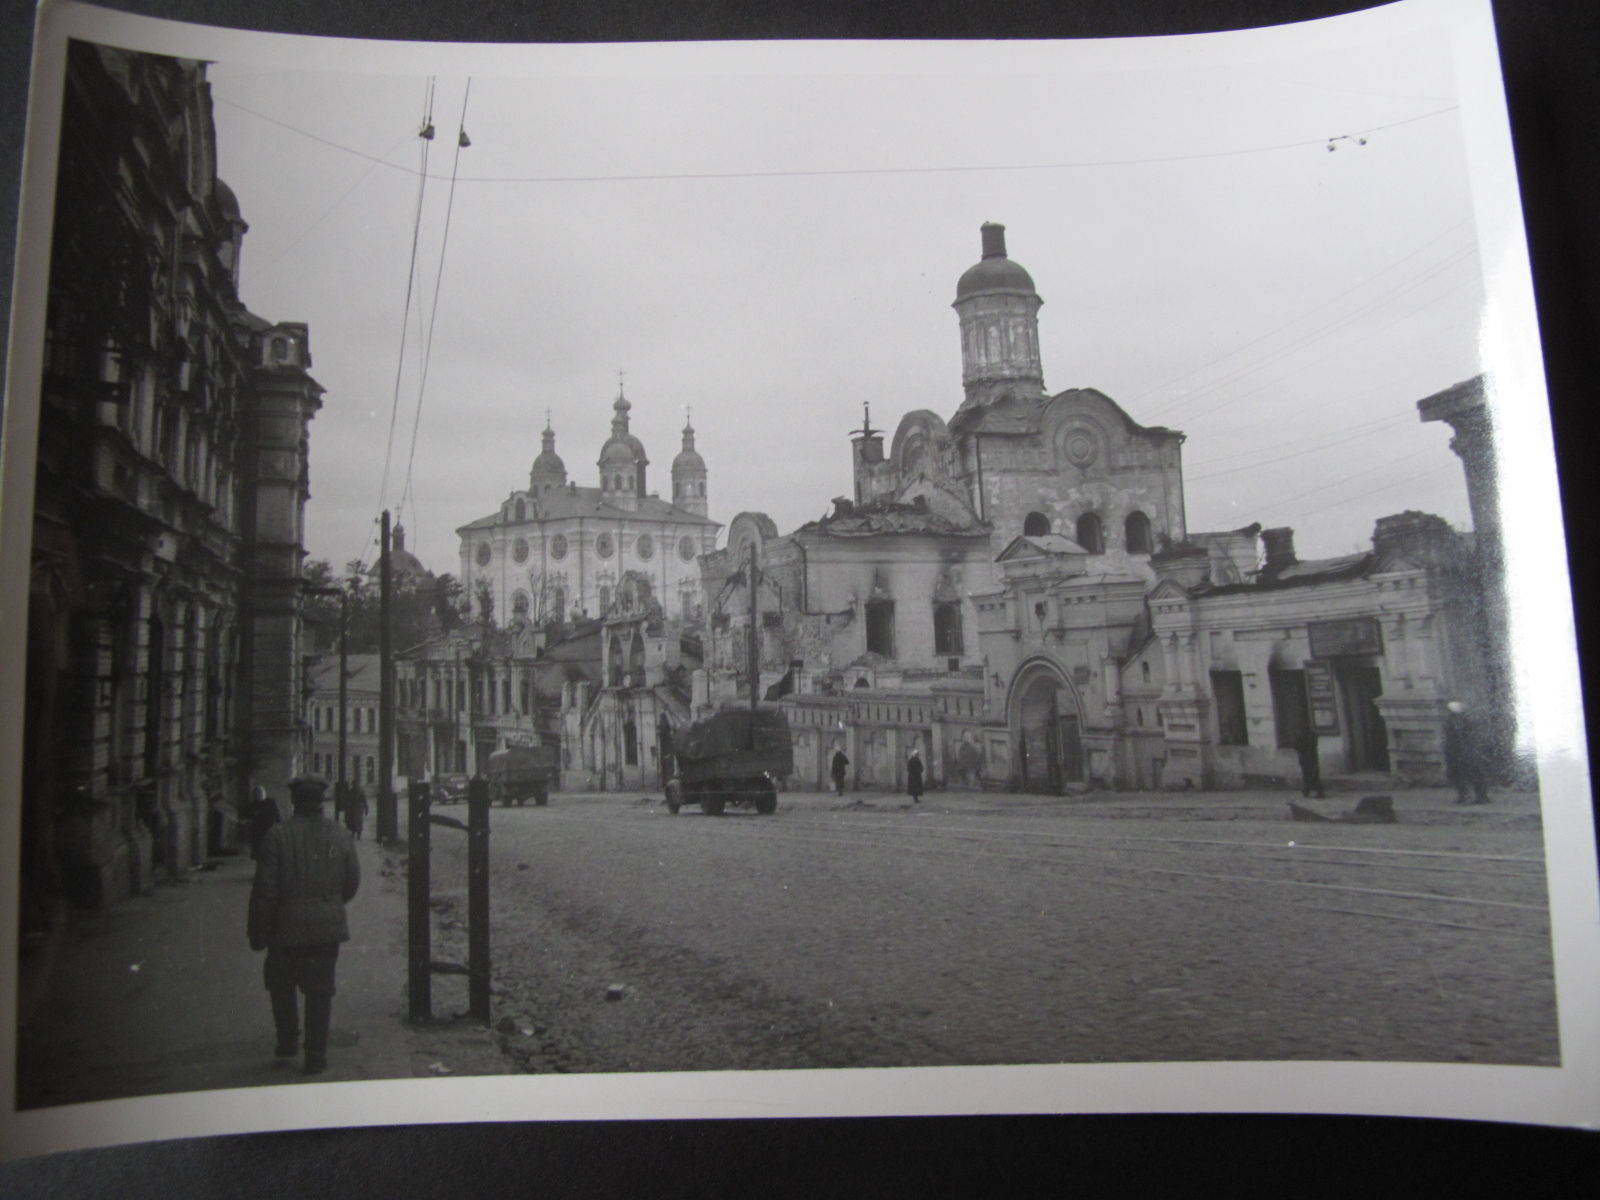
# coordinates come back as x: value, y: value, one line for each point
x: 686, y: 549
x: 558, y: 546
x: 602, y: 545
x: 645, y: 546
x: 484, y: 554
x: 519, y: 550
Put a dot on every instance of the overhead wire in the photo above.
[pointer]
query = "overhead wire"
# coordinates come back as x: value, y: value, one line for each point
x: 426, y: 137
x: 438, y: 281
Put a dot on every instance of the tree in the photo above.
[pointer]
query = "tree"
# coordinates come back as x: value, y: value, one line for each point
x: 485, y: 599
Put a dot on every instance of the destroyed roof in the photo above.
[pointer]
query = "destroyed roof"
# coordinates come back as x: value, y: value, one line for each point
x: 1043, y: 543
x: 363, y: 675
x: 1299, y: 574
x: 878, y: 518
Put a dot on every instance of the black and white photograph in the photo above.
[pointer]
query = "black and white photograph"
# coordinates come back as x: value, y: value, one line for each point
x: 799, y: 578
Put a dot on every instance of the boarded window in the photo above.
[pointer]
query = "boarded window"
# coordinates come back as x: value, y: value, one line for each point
x: 947, y: 627
x: 880, y: 627
x: 1228, y: 689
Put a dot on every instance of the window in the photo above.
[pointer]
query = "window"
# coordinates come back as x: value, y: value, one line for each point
x: 630, y: 744
x: 558, y: 546
x: 645, y: 546
x: 947, y: 627
x: 372, y: 769
x: 602, y: 547
x: 1144, y: 671
x: 605, y: 597
x: 522, y: 515
x: 1035, y: 524
x: 524, y: 694
x: 1228, y: 689
x: 686, y: 549
x: 485, y: 553
x: 880, y: 627
x: 505, y: 694
x: 1136, y: 533
x: 1089, y: 534
x: 519, y: 548
x: 519, y: 603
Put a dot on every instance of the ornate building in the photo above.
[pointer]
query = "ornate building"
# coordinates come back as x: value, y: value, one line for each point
x: 1017, y: 594
x: 557, y: 550
x: 163, y: 675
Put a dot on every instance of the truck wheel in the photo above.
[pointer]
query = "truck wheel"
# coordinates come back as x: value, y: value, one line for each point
x: 766, y: 798
x: 541, y: 796
x: 712, y: 804
x: 674, y: 796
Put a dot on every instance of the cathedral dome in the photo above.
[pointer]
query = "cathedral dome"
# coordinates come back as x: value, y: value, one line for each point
x: 996, y: 272
x: 688, y: 459
x: 548, y: 469
x: 549, y: 463
x: 622, y: 446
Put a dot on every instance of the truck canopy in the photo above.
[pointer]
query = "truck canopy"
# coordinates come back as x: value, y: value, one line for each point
x: 760, y: 737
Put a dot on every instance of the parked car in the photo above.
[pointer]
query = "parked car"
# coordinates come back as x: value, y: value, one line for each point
x: 450, y: 789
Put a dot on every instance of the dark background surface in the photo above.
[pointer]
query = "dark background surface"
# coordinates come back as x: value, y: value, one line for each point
x: 1551, y: 57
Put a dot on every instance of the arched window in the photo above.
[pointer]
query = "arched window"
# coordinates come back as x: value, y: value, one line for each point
x: 1035, y: 524
x: 522, y: 511
x: 614, y: 675
x: 1090, y: 536
x: 1136, y: 533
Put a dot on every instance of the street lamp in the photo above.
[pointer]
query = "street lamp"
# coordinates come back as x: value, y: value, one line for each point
x: 344, y: 660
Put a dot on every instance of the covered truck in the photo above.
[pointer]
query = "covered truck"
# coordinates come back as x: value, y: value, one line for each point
x: 732, y: 757
x: 518, y: 772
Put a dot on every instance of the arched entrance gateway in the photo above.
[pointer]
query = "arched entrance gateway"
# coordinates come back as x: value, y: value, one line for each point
x: 1044, y: 716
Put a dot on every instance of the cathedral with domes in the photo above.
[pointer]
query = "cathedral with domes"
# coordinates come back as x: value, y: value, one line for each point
x: 558, y: 550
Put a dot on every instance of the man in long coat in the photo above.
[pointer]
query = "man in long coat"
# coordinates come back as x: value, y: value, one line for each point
x: 306, y: 872
x: 1464, y: 754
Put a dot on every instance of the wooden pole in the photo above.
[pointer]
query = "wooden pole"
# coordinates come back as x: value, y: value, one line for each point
x: 388, y: 816
x: 419, y: 939
x: 478, y: 899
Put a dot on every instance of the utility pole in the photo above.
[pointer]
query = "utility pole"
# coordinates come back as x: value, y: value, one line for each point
x: 343, y: 593
x: 754, y: 664
x: 388, y: 815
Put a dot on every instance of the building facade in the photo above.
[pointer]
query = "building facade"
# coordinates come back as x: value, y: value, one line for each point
x: 1016, y: 594
x: 556, y: 550
x: 360, y: 763
x: 164, y: 674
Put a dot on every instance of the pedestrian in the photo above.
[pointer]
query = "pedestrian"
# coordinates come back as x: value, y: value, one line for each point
x: 261, y: 815
x: 355, y: 810
x: 914, y: 776
x: 306, y: 873
x: 1464, y: 754
x: 1305, y: 747
x: 840, y: 762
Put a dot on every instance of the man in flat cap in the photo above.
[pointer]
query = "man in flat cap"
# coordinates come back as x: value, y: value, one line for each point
x: 306, y: 873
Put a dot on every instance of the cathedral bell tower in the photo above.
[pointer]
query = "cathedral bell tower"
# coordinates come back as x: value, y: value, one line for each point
x: 689, y: 476
x: 999, y: 312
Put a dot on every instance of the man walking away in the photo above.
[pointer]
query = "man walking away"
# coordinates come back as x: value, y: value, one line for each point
x: 840, y: 762
x: 914, y: 776
x: 355, y: 810
x: 1305, y: 747
x: 1464, y: 754
x: 306, y: 873
x: 261, y: 816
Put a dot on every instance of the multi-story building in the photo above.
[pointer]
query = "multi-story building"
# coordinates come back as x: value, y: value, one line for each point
x: 360, y: 763
x: 163, y: 676
x: 1016, y: 593
x: 557, y: 551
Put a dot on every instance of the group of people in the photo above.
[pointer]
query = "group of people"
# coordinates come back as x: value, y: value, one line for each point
x: 914, y: 774
x: 1466, y: 756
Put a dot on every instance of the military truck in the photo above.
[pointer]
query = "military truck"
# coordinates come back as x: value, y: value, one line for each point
x: 518, y: 772
x: 733, y: 757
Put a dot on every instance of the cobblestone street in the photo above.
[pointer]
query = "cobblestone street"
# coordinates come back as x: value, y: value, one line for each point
x: 978, y: 929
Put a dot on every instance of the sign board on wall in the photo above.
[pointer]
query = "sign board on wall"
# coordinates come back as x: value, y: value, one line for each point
x: 1358, y: 635
x: 1321, y: 697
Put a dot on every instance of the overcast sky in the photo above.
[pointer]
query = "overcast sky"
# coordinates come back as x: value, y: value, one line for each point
x: 775, y: 249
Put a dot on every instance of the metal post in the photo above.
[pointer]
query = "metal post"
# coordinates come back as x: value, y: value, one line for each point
x: 419, y: 974
x: 478, y: 899
x: 754, y: 654
x: 388, y: 816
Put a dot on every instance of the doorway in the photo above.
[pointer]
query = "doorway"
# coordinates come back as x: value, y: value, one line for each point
x: 1367, y: 738
x: 1050, y: 751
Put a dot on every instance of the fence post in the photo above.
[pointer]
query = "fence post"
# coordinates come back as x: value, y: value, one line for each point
x: 478, y: 899
x: 419, y: 978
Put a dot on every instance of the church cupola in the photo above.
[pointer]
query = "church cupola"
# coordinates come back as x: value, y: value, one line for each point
x: 689, y: 475
x: 622, y: 459
x: 999, y: 312
x: 549, y: 472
